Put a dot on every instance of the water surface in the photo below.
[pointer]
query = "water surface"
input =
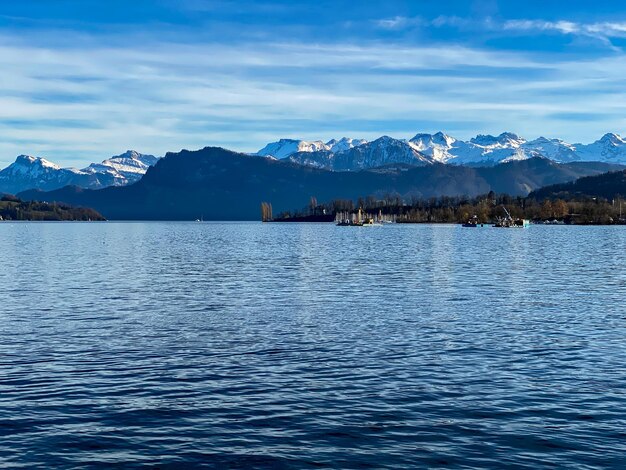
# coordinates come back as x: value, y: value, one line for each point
x: 243, y: 345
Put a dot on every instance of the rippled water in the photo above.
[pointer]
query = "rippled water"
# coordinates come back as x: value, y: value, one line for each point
x: 242, y: 345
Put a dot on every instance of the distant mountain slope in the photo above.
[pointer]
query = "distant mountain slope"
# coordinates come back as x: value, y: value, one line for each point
x: 29, y: 172
x: 481, y: 150
x: 222, y: 185
x: 284, y: 148
x: 127, y: 168
x: 607, y: 185
x: 380, y: 152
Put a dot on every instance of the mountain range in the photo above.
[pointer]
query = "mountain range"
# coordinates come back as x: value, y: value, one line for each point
x: 346, y: 154
x: 29, y: 172
x: 219, y: 184
x: 426, y: 149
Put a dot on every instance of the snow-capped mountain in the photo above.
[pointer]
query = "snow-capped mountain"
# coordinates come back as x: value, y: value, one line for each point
x: 287, y: 147
x: 553, y: 149
x: 382, y: 151
x: 126, y: 168
x: 28, y: 172
x: 34, y: 167
x: 491, y: 150
x: 610, y: 148
x: 437, y: 146
x: 482, y: 150
x: 343, y: 144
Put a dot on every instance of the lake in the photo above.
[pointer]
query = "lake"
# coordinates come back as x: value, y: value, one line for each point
x: 249, y: 345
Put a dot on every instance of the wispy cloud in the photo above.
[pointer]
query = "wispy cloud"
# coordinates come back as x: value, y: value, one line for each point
x: 84, y: 100
x: 401, y: 22
x: 565, y: 27
x: 606, y: 29
x: 603, y: 31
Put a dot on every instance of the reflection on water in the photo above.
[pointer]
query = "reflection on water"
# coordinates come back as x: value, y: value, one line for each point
x: 277, y: 345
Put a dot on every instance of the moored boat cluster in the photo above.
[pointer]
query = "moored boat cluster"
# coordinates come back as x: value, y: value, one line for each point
x: 362, y: 219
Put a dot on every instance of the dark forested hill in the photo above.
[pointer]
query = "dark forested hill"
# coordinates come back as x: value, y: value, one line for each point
x: 607, y: 186
x: 219, y: 184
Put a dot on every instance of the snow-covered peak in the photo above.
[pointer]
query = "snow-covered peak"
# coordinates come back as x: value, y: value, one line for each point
x: 128, y: 162
x: 438, y: 138
x: 384, y: 140
x: 437, y: 146
x: 552, y: 148
x: 127, y: 167
x: 511, y: 137
x: 542, y: 140
x: 443, y: 148
x: 287, y: 147
x: 383, y: 151
x: 610, y: 148
x: 484, y: 140
x: 612, y: 139
x: 343, y: 144
x: 28, y: 160
x: 134, y: 155
x: 506, y: 139
x: 31, y: 166
x: 28, y: 172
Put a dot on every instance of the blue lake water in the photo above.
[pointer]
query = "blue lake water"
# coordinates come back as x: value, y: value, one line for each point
x: 249, y: 345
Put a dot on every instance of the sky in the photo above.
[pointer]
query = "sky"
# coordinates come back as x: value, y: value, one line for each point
x: 82, y: 80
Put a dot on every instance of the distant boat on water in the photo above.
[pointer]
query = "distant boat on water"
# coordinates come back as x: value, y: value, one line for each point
x: 473, y: 222
x: 510, y: 222
x: 361, y: 220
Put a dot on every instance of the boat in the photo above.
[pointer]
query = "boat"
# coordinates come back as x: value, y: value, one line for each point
x: 370, y: 222
x: 510, y: 222
x: 349, y: 223
x: 473, y: 222
x: 359, y: 221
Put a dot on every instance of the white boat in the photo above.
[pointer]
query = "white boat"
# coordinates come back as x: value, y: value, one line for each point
x: 370, y: 222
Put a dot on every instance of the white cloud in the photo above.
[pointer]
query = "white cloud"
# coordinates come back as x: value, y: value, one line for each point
x: 565, y: 27
x: 85, y: 102
x: 401, y: 22
x: 603, y: 31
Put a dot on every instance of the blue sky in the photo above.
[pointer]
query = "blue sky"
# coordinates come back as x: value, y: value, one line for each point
x: 84, y: 80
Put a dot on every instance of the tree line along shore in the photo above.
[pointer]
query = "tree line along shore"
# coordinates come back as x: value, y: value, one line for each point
x: 13, y: 208
x: 488, y: 208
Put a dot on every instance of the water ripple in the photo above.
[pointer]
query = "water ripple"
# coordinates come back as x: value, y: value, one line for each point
x: 176, y: 345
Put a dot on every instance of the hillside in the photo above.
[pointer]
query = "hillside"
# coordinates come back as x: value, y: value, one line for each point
x: 608, y: 186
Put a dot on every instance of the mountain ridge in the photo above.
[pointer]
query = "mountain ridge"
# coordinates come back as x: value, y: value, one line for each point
x: 427, y: 148
x: 610, y: 186
x: 219, y: 184
x: 29, y: 172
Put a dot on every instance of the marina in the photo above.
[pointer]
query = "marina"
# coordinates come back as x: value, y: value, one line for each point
x: 362, y: 219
